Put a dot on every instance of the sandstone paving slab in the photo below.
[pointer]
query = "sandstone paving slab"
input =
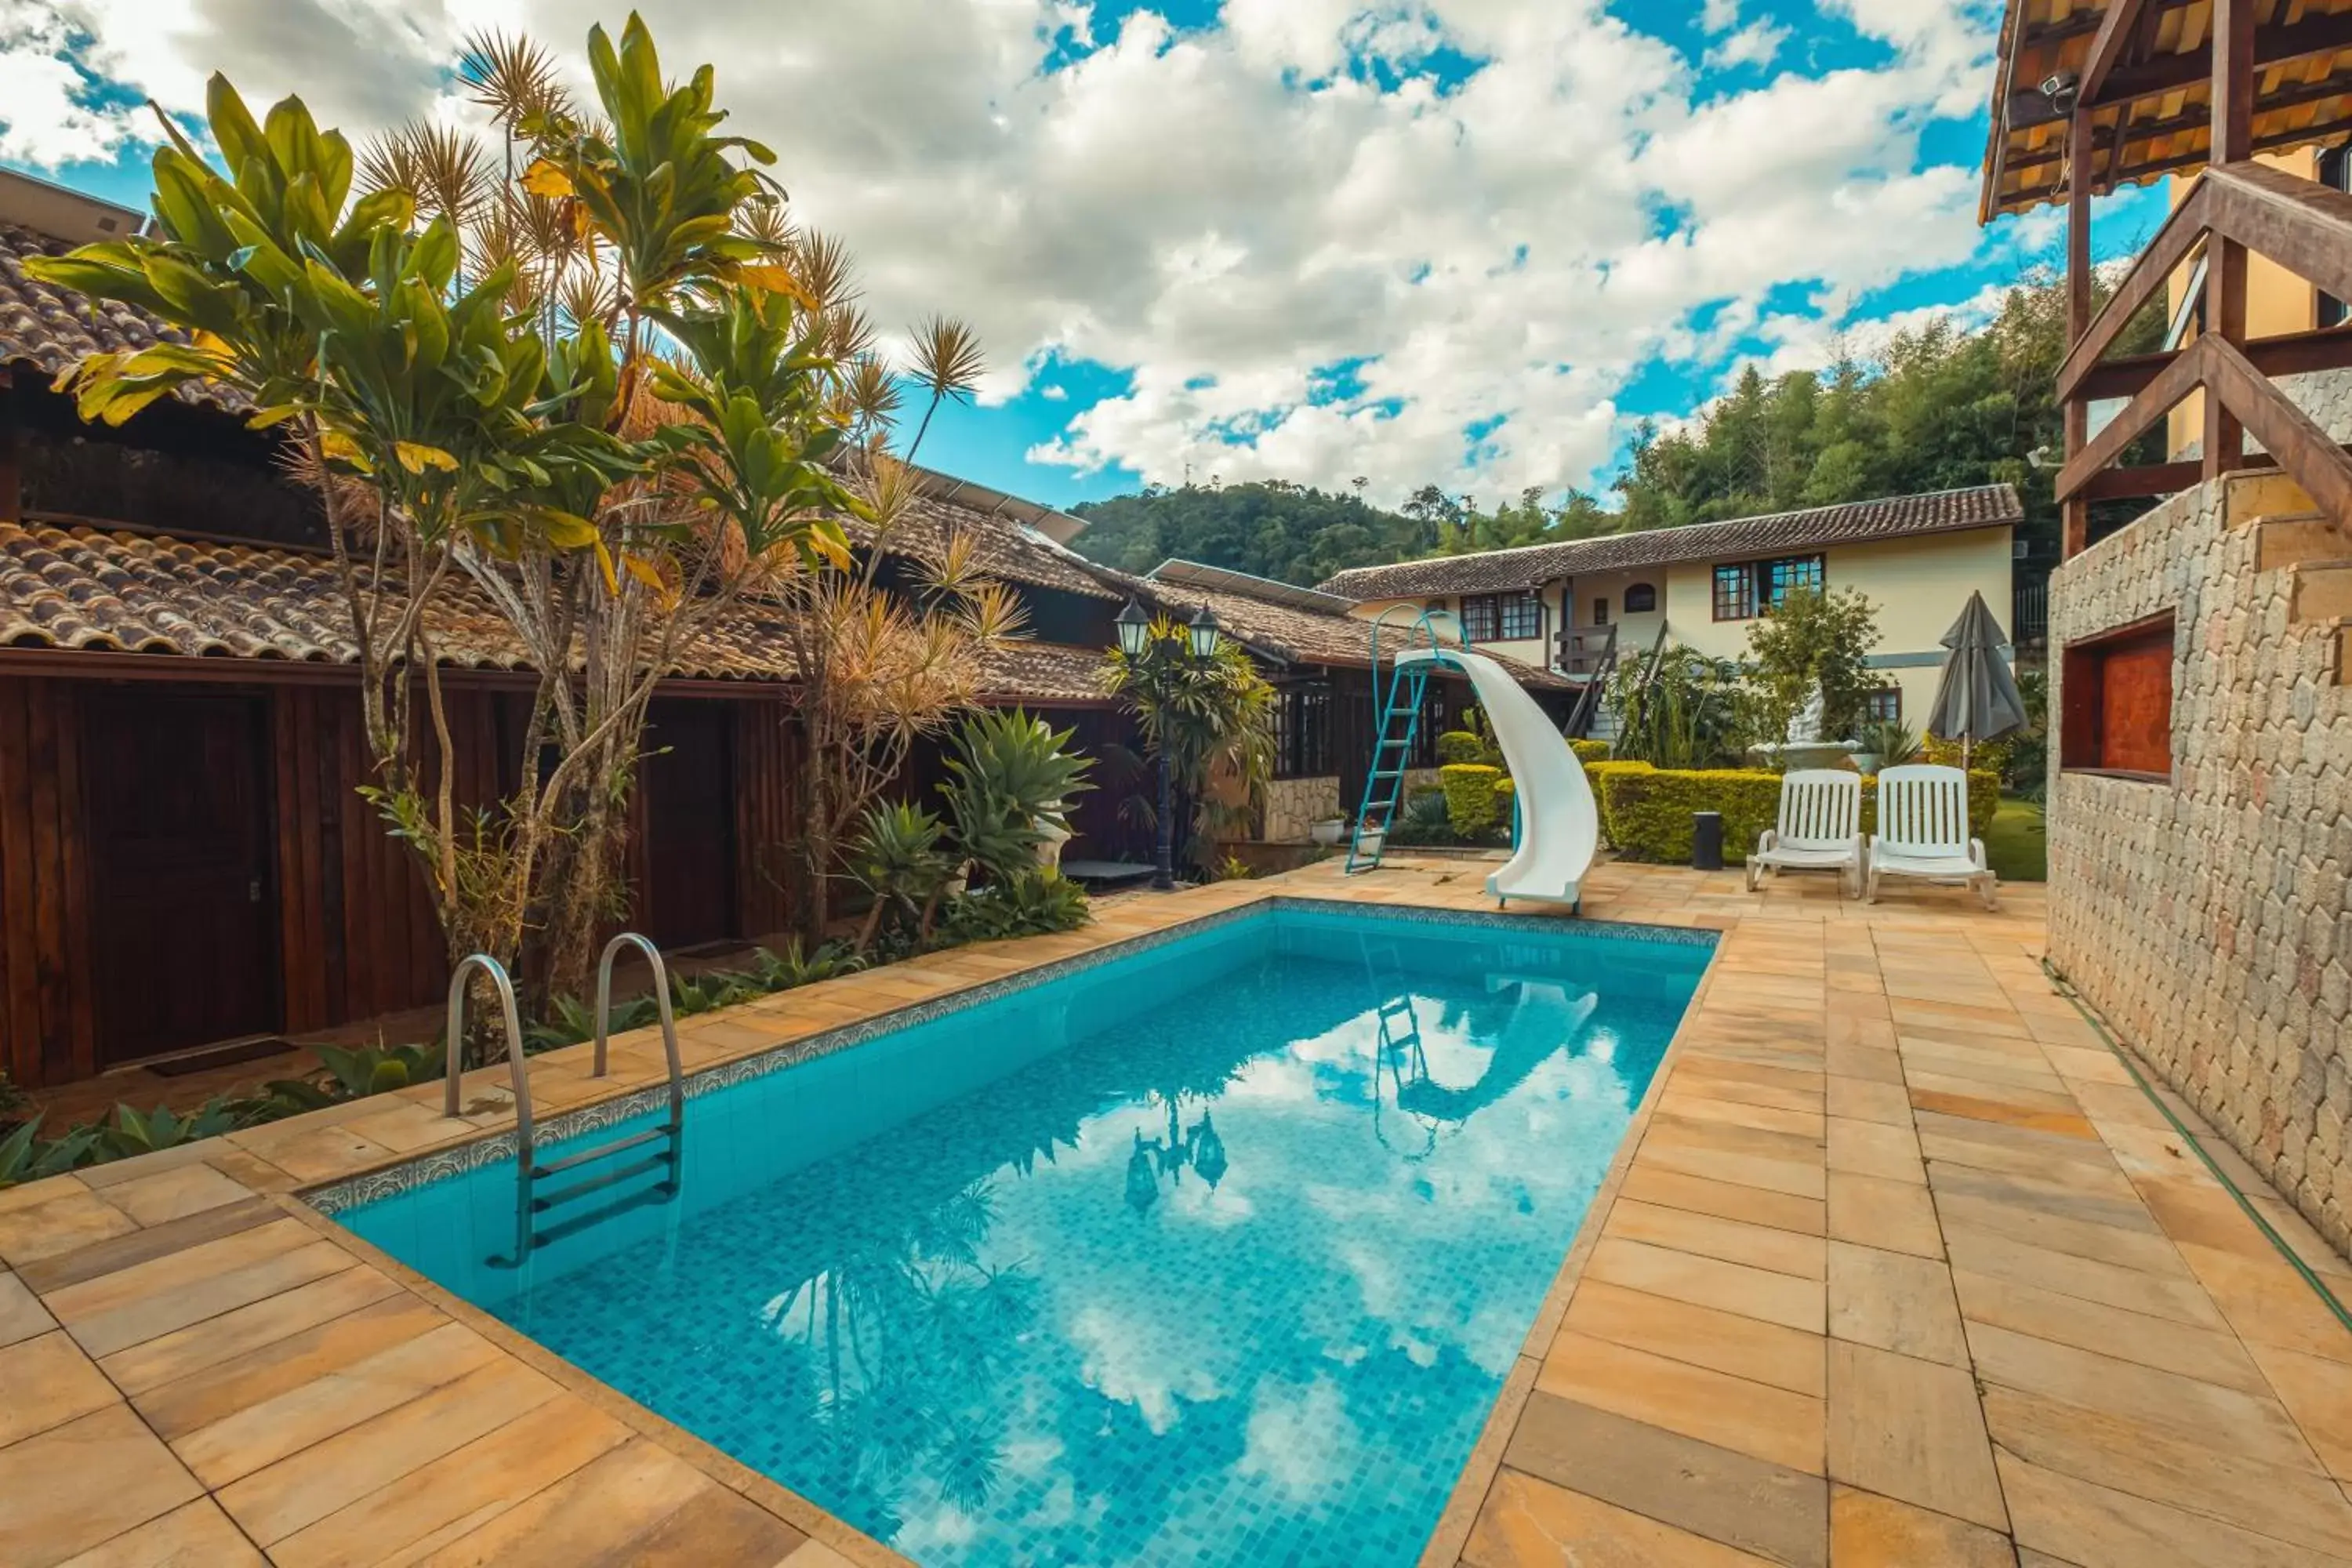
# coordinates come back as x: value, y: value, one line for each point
x: 77, y: 1485
x: 1752, y: 1418
x: 1867, y: 1530
x: 1896, y: 1302
x: 1896, y: 1217
x: 1774, y: 1511
x: 1723, y: 1341
x: 1532, y: 1522
x: 1914, y: 1431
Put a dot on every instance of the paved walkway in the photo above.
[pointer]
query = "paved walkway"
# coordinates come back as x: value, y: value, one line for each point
x: 1901, y: 1269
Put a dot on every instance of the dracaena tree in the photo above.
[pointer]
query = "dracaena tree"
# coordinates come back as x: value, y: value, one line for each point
x: 594, y: 377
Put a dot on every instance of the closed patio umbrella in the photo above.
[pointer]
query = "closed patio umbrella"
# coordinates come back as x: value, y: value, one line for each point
x: 1977, y: 699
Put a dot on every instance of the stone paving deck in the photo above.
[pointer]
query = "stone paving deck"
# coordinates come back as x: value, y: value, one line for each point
x: 1897, y: 1267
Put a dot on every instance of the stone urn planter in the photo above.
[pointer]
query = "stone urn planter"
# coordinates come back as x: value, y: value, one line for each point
x: 1328, y: 832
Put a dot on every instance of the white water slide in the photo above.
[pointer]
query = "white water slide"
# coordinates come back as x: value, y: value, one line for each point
x: 1560, y: 828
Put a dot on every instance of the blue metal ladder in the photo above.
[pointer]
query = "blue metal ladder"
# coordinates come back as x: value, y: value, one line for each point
x: 1399, y: 727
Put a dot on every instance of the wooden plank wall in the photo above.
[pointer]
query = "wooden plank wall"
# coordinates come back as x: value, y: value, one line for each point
x: 356, y: 919
x: 768, y: 753
x: 48, y: 1032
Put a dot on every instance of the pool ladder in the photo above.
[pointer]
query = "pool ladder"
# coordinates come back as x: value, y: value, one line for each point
x: 531, y: 1203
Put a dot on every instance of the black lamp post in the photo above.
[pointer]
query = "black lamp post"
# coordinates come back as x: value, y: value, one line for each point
x: 1134, y: 640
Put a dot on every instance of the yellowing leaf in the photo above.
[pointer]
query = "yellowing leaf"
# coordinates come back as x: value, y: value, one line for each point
x: 416, y: 457
x: 343, y: 449
x: 604, y: 565
x: 544, y: 179
x: 828, y: 545
x: 568, y: 531
x: 647, y: 572
x: 778, y: 280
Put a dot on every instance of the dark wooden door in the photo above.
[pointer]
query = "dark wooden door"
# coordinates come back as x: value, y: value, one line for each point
x: 183, y: 910
x: 690, y: 784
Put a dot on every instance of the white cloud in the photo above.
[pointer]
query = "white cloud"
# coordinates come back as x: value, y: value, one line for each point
x: 1221, y: 211
x: 1757, y: 44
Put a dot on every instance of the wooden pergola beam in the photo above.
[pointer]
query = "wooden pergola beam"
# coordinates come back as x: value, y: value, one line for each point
x: 2118, y: 27
x: 2274, y: 45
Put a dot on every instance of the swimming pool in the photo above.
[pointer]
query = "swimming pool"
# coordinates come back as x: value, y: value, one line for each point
x: 1214, y: 1249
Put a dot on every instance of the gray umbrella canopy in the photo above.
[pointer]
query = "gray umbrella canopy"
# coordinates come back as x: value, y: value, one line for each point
x: 1977, y: 698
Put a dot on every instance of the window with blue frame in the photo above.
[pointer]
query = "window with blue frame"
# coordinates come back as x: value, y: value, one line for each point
x: 1750, y: 588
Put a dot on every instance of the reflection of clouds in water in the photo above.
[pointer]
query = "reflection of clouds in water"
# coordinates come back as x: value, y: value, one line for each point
x: 1131, y: 1362
x: 1299, y: 1438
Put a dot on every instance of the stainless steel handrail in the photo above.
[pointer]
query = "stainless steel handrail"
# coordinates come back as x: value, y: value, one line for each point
x: 669, y: 1022
x: 453, y: 1052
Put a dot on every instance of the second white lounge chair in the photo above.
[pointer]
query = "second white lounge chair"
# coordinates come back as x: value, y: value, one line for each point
x: 1923, y: 832
x: 1820, y: 830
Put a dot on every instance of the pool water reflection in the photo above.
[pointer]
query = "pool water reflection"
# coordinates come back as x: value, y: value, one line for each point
x: 1214, y: 1254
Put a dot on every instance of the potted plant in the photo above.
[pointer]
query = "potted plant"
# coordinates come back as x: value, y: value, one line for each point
x: 1372, y: 834
x: 1327, y: 831
x: 1885, y: 744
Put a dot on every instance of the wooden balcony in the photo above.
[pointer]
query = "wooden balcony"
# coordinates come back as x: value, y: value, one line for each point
x: 2094, y: 96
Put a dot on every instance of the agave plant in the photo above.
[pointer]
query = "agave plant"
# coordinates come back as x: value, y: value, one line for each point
x: 26, y: 1157
x: 132, y: 1133
x: 1011, y: 778
x: 1033, y: 903
x: 900, y: 859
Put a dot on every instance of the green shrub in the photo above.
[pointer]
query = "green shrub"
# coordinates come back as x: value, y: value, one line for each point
x: 1646, y: 812
x: 1598, y: 775
x: 1984, y: 799
x: 1460, y: 746
x: 1423, y: 820
x: 1649, y: 810
x: 1470, y: 804
x: 1591, y: 750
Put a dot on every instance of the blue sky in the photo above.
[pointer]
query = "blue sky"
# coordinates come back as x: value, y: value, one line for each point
x: 1458, y: 241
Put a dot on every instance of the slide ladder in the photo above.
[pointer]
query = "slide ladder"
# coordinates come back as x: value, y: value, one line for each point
x: 1399, y: 727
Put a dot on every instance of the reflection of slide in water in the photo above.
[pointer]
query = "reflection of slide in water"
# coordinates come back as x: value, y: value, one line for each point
x: 1560, y: 828
x: 1544, y: 1021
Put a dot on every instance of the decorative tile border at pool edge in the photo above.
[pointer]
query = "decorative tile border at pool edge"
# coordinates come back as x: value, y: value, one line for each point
x: 445, y: 1164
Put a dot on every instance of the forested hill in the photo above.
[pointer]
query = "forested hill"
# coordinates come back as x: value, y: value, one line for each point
x: 1270, y: 529
x: 1939, y: 408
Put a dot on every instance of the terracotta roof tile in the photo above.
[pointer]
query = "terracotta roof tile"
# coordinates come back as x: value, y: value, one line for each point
x: 1300, y: 636
x: 132, y: 593
x: 1897, y: 517
x: 57, y: 329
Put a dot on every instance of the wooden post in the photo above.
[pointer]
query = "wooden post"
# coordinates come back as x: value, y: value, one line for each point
x: 12, y: 481
x: 2074, y: 511
x: 2225, y: 265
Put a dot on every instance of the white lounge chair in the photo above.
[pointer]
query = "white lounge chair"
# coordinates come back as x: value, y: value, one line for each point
x: 1923, y: 832
x: 1820, y: 830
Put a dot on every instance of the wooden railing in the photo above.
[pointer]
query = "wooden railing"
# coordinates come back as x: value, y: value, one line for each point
x: 2233, y: 210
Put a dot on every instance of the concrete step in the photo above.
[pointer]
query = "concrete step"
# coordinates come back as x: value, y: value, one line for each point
x: 2321, y: 592
x: 2290, y: 540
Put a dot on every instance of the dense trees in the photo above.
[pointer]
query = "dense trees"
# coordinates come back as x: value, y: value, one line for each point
x: 1938, y: 409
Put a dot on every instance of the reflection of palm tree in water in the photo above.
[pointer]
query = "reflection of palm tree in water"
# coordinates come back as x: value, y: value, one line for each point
x: 898, y: 1316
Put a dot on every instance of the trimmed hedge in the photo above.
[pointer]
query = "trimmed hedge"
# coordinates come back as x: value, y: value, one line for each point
x: 1460, y: 746
x: 1591, y: 750
x: 1646, y: 811
x: 1472, y: 804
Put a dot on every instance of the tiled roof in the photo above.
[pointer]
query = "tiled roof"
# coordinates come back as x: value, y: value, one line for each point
x: 56, y: 329
x: 1897, y: 517
x: 1300, y: 636
x: 131, y: 592
x: 1002, y: 547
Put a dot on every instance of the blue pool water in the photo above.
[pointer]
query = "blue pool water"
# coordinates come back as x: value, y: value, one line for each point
x: 1214, y: 1253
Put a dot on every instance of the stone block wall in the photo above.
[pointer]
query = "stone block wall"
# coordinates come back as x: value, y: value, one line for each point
x: 2206, y: 918
x: 1292, y: 806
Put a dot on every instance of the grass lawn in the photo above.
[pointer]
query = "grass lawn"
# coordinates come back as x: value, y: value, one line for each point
x: 2015, y: 843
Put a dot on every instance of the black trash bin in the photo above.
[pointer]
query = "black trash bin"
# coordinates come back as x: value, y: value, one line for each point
x: 1706, y: 841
